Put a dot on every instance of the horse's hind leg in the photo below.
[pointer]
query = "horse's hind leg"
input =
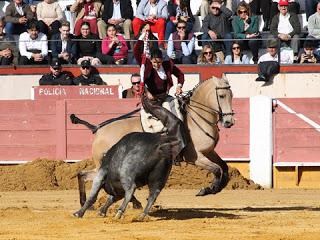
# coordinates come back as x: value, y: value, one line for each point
x: 218, y: 167
x: 83, y: 177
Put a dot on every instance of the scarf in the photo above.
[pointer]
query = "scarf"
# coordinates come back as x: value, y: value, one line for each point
x: 88, y: 7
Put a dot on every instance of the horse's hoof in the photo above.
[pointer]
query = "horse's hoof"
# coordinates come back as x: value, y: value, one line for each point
x: 202, y: 192
x: 118, y: 215
x: 140, y: 218
x: 78, y: 214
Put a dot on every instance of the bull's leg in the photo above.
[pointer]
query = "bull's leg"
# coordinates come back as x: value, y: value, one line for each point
x: 127, y: 198
x: 96, y: 186
x: 103, y: 210
x: 83, y: 177
x: 156, y: 182
x: 218, y: 167
x: 151, y: 199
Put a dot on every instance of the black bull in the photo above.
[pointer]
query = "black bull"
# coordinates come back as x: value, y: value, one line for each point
x: 138, y: 159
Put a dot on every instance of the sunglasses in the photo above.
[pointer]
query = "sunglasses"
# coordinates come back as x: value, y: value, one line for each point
x: 234, y: 48
x: 215, y: 8
x: 207, y: 53
x: 181, y: 27
x: 56, y: 68
x: 85, y: 67
x: 240, y: 12
x: 135, y: 83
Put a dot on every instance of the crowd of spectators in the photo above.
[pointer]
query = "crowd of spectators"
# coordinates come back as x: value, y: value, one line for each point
x: 105, y: 31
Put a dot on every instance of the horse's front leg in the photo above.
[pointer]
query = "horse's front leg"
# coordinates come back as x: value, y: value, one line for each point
x: 214, y: 164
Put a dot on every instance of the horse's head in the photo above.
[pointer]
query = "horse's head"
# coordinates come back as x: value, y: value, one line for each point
x: 224, y: 100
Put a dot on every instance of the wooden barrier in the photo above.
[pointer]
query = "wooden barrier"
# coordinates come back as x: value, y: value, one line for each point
x: 42, y: 129
x: 297, y: 143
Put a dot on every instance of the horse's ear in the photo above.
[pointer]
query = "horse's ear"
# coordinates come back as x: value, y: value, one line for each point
x: 224, y: 77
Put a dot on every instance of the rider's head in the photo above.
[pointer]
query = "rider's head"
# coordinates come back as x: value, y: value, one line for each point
x: 156, y: 58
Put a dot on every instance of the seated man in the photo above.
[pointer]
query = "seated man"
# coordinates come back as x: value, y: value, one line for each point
x: 33, y: 46
x: 62, y: 45
x: 286, y: 26
x: 216, y: 26
x: 56, y: 76
x: 87, y: 77
x: 17, y: 16
x: 181, y: 45
x: 8, y: 49
x: 314, y: 25
x: 118, y: 13
x: 133, y: 92
x: 154, y: 13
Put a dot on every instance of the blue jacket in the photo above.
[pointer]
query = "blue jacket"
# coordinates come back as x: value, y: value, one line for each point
x: 56, y: 46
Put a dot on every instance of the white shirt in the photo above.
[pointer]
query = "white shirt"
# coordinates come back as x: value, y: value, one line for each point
x: 26, y: 43
x: 63, y: 46
x: 284, y: 58
x: 19, y: 9
x: 116, y: 11
x: 284, y: 26
x: 267, y: 57
x: 153, y: 10
x: 162, y: 74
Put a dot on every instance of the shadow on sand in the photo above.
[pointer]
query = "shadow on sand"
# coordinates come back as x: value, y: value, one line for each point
x: 191, y: 213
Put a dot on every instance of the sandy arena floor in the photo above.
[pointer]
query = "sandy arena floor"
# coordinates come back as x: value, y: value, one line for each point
x: 178, y: 214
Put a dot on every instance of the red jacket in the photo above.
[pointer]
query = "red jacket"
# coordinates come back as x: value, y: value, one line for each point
x: 153, y: 82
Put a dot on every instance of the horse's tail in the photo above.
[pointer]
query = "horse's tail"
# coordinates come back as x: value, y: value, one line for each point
x: 75, y: 120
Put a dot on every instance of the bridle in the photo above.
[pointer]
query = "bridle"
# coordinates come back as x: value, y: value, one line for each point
x: 222, y: 114
x: 190, y: 106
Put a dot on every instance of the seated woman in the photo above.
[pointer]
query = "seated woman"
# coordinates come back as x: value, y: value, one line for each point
x: 178, y: 10
x: 87, y: 11
x: 246, y: 27
x: 208, y: 56
x: 89, y: 47
x: 114, y: 47
x: 49, y: 15
x: 236, y: 57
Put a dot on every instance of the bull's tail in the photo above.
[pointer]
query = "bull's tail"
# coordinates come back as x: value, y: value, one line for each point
x: 75, y: 120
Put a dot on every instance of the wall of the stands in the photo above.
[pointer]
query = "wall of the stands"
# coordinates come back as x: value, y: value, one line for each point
x: 293, y: 81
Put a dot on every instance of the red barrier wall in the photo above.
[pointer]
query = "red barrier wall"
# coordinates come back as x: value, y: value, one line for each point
x: 295, y: 139
x: 33, y: 129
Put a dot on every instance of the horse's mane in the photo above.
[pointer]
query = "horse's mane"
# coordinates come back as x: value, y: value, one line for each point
x: 201, y: 84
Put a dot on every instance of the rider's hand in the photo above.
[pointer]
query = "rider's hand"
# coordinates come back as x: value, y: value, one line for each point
x: 149, y: 95
x: 178, y: 90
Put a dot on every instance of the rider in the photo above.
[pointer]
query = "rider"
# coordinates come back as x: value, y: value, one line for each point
x: 158, y: 78
x: 158, y: 73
